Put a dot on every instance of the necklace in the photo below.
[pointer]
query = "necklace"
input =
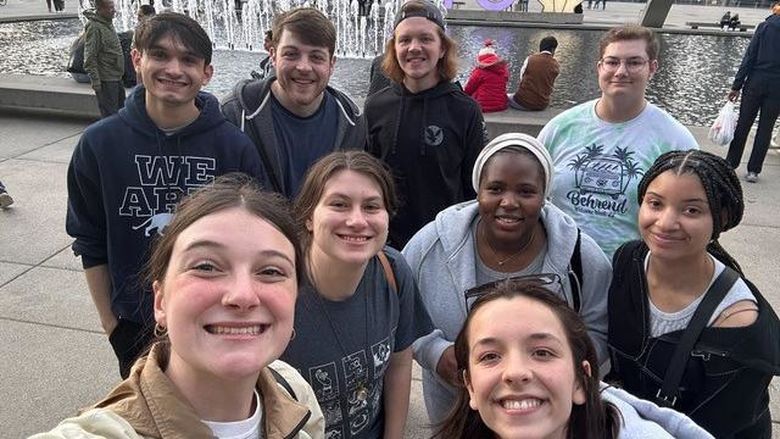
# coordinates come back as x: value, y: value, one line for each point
x: 501, y: 262
x: 361, y: 391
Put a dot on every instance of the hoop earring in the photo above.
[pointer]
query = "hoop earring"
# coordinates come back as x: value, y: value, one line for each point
x: 160, y: 331
x: 292, y: 337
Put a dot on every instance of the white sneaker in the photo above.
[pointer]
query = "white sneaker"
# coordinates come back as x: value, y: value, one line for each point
x: 5, y: 200
x: 751, y: 177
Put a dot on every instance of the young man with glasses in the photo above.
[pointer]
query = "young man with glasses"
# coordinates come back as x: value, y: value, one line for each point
x: 601, y: 148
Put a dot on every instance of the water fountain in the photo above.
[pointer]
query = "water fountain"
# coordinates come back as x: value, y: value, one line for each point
x: 359, y: 36
x: 688, y: 85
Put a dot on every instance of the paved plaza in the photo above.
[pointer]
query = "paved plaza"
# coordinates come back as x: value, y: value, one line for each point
x: 55, y: 359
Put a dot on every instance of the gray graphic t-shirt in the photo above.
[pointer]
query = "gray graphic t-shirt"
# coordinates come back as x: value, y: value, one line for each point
x: 343, y: 348
x: 598, y: 166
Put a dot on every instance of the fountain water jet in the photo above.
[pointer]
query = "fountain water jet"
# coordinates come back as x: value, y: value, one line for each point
x: 244, y: 28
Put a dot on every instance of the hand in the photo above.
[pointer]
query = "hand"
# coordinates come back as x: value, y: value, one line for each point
x: 733, y: 95
x: 447, y: 368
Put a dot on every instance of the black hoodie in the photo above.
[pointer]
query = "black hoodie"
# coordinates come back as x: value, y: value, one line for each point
x: 125, y: 178
x: 430, y: 140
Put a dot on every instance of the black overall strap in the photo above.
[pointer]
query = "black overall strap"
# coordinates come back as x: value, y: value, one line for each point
x: 575, y: 273
x: 667, y: 394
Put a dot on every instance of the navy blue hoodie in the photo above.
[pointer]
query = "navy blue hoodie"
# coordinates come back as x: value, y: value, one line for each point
x: 125, y: 178
x: 761, y: 63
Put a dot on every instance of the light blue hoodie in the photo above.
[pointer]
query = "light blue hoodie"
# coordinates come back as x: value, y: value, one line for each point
x: 442, y: 259
x: 642, y: 419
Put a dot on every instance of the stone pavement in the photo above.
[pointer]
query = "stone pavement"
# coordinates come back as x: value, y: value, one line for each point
x: 16, y: 10
x: 53, y: 356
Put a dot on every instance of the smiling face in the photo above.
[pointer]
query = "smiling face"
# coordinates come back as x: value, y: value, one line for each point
x: 228, y: 297
x: 511, y: 196
x: 418, y: 49
x: 171, y: 73
x: 674, y: 218
x: 625, y: 82
x: 520, y: 370
x: 350, y: 221
x: 302, y: 73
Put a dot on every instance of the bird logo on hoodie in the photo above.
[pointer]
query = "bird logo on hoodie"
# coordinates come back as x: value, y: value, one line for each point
x: 434, y: 135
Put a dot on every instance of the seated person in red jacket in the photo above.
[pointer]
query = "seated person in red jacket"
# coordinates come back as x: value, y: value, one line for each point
x: 487, y: 83
x: 537, y: 78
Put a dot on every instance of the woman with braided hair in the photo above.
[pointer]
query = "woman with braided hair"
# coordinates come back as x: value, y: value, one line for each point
x: 686, y: 328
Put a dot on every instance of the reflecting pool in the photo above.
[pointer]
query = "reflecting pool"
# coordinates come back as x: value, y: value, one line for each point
x: 694, y: 75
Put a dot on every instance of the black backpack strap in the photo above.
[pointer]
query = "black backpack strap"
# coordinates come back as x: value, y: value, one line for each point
x: 667, y: 394
x: 283, y: 382
x: 575, y: 273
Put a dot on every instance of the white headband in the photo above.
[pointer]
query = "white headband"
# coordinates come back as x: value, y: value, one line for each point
x: 521, y: 140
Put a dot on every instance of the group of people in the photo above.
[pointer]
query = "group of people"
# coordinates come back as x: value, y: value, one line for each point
x: 728, y: 21
x: 244, y: 256
x: 487, y: 83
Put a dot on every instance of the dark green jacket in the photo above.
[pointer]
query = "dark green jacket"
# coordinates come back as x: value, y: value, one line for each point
x: 103, y: 58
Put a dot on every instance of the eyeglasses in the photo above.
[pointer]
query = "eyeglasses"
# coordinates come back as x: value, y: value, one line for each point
x: 633, y: 65
x: 540, y: 279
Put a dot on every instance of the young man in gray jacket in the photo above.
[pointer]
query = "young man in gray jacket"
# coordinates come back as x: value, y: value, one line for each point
x: 294, y: 117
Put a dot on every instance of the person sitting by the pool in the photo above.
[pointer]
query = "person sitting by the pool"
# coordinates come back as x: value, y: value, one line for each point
x: 488, y: 79
x: 725, y: 19
x: 734, y: 22
x: 537, y: 78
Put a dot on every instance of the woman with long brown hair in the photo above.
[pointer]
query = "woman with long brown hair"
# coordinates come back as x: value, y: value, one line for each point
x: 360, y: 311
x: 530, y: 371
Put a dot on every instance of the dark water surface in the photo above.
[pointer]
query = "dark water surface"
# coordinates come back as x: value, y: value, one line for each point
x: 694, y: 75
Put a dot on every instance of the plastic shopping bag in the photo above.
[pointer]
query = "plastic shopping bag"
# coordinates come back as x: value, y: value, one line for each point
x: 722, y: 130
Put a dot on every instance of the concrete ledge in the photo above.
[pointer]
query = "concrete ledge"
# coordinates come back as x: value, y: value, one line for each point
x: 39, y: 17
x: 511, y: 120
x: 48, y: 95
x: 597, y: 27
x: 504, y: 17
x: 65, y: 97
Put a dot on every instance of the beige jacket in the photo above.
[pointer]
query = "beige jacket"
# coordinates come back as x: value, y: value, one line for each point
x: 148, y: 405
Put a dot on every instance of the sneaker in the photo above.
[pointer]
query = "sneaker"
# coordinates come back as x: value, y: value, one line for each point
x: 751, y: 177
x: 5, y: 200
